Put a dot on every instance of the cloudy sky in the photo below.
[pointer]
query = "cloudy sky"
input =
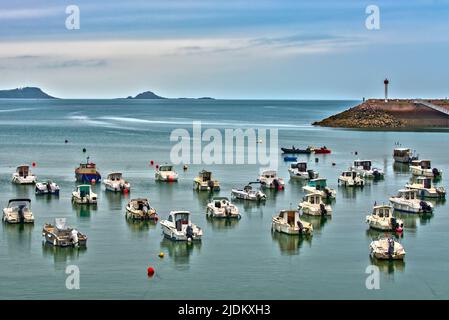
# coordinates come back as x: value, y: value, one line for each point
x: 279, y: 49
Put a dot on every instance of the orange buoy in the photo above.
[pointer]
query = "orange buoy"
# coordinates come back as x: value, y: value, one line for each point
x: 151, y: 162
x: 150, y: 271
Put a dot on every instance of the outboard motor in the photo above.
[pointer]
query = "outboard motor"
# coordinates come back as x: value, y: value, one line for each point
x: 227, y: 211
x: 436, y: 172
x: 327, y: 192
x: 276, y: 183
x: 394, y: 223
x: 300, y: 226
x: 211, y: 185
x: 21, y: 214
x: 323, y: 209
x: 424, y: 206
x: 310, y: 172
x: 376, y: 174
x: 48, y: 187
x: 189, y: 232
x: 390, y: 247
x: 74, y: 237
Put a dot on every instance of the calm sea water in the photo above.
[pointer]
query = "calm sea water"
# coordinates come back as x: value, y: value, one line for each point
x: 240, y: 259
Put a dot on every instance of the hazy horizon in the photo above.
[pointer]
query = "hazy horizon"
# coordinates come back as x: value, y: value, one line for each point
x: 236, y: 49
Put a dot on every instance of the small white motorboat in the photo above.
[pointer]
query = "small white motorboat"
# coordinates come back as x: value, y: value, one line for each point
x: 313, y: 205
x: 381, y: 218
x: 387, y: 249
x: 115, y: 182
x: 18, y: 211
x: 84, y: 195
x: 48, y: 187
x: 351, y: 179
x: 269, y: 179
x: 320, y: 186
x: 403, y: 155
x: 299, y: 170
x: 221, y: 207
x: 60, y: 235
x: 366, y: 170
x: 178, y: 227
x: 288, y: 221
x: 425, y: 188
x: 424, y: 168
x: 249, y: 193
x: 23, y: 175
x: 140, y: 209
x: 205, y: 182
x: 407, y: 201
x: 166, y: 173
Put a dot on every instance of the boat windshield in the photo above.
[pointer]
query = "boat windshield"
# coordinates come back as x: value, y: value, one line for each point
x: 166, y: 168
x: 205, y: 175
x: 19, y: 203
x: 115, y: 176
x: 425, y: 164
x: 183, y: 217
x: 23, y: 171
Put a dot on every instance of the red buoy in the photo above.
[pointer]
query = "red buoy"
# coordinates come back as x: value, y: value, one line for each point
x: 125, y: 191
x: 171, y: 179
x: 93, y: 181
x: 33, y: 164
x: 279, y: 188
x: 150, y: 271
x: 151, y: 162
x: 157, y: 166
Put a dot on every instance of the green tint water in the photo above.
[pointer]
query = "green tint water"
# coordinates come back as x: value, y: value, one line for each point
x: 236, y: 260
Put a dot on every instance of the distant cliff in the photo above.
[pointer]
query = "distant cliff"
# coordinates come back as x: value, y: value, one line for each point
x: 24, y: 93
x: 395, y: 113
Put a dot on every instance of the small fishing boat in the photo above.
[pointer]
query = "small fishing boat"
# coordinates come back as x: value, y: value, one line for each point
x: 381, y: 218
x: 403, y: 155
x: 425, y: 188
x: 299, y: 170
x: 288, y: 221
x: 204, y: 182
x: 269, y: 179
x: 313, y: 205
x: 23, y: 175
x: 249, y: 193
x: 322, y: 150
x: 424, y: 168
x: 48, y: 187
x: 87, y: 172
x: 166, y: 173
x: 178, y: 227
x: 60, y: 235
x: 18, y: 211
x: 115, y: 182
x: 407, y: 201
x: 221, y: 207
x: 294, y: 150
x: 351, y: 179
x: 320, y: 186
x: 387, y: 249
x: 290, y: 158
x: 140, y: 209
x: 84, y: 195
x: 366, y: 170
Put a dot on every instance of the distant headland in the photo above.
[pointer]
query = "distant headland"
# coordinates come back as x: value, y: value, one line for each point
x: 392, y: 114
x: 24, y: 93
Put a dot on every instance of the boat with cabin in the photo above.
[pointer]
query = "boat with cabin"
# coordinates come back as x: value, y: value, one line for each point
x: 249, y: 193
x: 319, y: 185
x: 179, y: 227
x: 205, y: 182
x: 299, y: 170
x: 366, y: 170
x: 221, y: 207
x: 288, y: 221
x: 84, y: 195
x: 387, y: 249
x: 381, y: 218
x: 313, y: 205
x: 424, y: 168
x: 87, y: 172
x: 404, y: 155
x: 115, y: 182
x: 425, y: 188
x: 18, y: 211
x: 23, y: 175
x: 407, y: 201
x: 351, y: 179
x: 48, y: 187
x: 140, y: 209
x: 269, y: 179
x: 60, y: 235
x: 166, y: 173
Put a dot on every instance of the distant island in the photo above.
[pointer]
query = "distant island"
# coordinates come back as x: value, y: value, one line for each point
x: 391, y: 114
x: 149, y: 95
x: 24, y: 93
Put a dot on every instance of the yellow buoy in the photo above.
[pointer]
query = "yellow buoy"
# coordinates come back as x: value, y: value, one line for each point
x: 161, y: 254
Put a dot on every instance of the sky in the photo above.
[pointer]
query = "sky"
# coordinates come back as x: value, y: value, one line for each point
x: 230, y: 49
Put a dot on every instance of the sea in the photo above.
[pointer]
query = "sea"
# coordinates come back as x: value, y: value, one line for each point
x: 240, y: 259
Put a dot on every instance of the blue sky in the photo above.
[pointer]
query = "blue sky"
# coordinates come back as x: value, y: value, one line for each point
x: 227, y: 49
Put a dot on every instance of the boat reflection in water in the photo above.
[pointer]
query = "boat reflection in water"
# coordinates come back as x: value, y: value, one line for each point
x: 137, y: 226
x: 180, y: 251
x: 83, y: 210
x: 116, y: 200
x: 352, y: 192
x: 222, y: 223
x: 374, y: 234
x: 290, y: 244
x: 411, y: 220
x: 401, y: 167
x: 61, y: 255
x: 19, y: 237
x: 388, y: 266
x: 317, y: 222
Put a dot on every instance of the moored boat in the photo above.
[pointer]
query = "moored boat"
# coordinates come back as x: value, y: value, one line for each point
x: 425, y: 188
x: 322, y: 150
x: 87, y: 172
x: 178, y: 227
x: 18, y: 211
x: 221, y: 207
x: 366, y: 170
x: 270, y: 180
x: 140, y: 209
x: 288, y: 221
x: 299, y: 170
x: 48, y: 187
x: 166, y: 173
x: 351, y: 179
x: 403, y: 155
x: 387, y: 249
x: 381, y: 218
x: 115, y: 182
x: 313, y: 205
x: 424, y: 168
x: 23, y: 175
x: 407, y: 201
x: 205, y: 182
x: 84, y: 195
x: 294, y: 150
x: 60, y: 235
x: 249, y: 193
x: 319, y: 185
